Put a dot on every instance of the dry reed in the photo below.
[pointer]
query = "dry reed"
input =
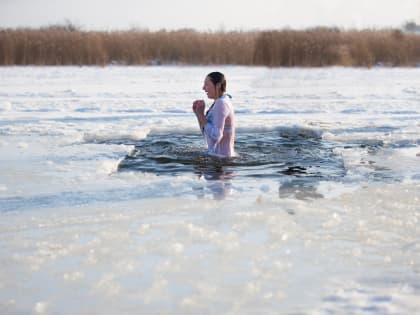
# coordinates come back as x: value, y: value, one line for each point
x: 61, y: 45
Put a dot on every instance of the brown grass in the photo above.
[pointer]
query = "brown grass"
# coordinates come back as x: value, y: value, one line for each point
x: 58, y: 45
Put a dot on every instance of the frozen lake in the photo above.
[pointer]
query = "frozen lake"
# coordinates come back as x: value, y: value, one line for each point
x: 108, y: 206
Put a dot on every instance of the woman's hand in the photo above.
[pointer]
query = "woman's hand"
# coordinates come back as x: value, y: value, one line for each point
x: 198, y: 107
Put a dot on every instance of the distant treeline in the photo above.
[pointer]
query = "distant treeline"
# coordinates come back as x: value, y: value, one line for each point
x: 64, y: 45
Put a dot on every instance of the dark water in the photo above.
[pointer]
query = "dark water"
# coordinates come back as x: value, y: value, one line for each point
x: 298, y: 153
x: 297, y: 159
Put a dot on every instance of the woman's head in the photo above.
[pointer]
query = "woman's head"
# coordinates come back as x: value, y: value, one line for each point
x: 215, y: 84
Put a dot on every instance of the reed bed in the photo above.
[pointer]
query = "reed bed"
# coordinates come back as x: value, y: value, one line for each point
x: 278, y: 48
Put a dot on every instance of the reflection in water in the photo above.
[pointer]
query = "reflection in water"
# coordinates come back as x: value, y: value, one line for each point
x: 219, y: 180
x: 213, y: 172
x: 299, y: 189
x: 296, y: 153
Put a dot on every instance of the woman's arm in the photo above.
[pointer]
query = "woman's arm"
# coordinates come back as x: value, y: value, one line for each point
x: 198, y: 108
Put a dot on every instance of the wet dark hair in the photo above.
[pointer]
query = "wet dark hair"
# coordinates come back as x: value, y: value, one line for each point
x: 218, y: 77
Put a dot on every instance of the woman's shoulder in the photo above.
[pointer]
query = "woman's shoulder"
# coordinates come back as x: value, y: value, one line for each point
x: 223, y: 100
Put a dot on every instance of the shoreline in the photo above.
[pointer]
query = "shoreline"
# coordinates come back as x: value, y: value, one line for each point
x: 317, y: 47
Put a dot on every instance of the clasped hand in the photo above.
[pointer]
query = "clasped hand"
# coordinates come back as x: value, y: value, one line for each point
x: 198, y: 107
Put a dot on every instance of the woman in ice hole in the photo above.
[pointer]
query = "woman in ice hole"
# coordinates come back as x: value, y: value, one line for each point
x: 218, y: 124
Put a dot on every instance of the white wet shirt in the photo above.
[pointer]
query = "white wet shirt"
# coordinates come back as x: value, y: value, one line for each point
x: 219, y: 131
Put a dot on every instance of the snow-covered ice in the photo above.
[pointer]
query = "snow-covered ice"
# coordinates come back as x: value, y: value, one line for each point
x: 81, y: 234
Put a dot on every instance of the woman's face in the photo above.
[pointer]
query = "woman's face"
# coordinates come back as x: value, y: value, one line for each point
x: 210, y: 88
